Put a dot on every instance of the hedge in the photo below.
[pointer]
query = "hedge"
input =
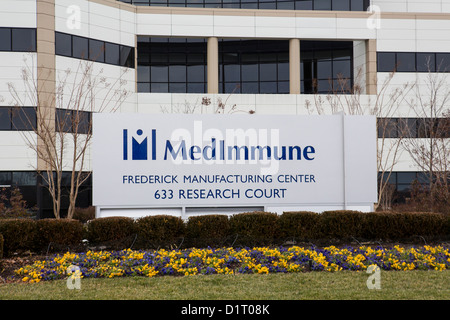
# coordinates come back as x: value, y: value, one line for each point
x: 59, y: 233
x: 243, y: 229
x: 18, y: 235
x: 254, y: 228
x: 154, y: 231
x: 1, y: 246
x: 207, y: 230
x: 112, y: 231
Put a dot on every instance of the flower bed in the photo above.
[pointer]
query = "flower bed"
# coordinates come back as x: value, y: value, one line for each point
x: 263, y: 260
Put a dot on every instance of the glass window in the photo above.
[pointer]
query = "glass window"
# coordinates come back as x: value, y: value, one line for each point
x: 23, y: 118
x: 426, y: 62
x: 406, y: 61
x: 341, y: 5
x: 5, y: 39
x: 80, y: 47
x: 304, y: 5
x: 63, y: 44
x: 386, y: 61
x: 112, y: 53
x: 5, y: 178
x: 63, y: 120
x: 96, y: 50
x: 322, y: 4
x: 23, y: 39
x: 443, y: 62
x: 127, y: 56
x: 5, y: 118
x: 358, y: 5
x: 82, y: 121
x: 406, y: 177
x: 24, y: 178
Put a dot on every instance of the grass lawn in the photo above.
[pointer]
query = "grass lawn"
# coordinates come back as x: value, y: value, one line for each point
x: 343, y: 285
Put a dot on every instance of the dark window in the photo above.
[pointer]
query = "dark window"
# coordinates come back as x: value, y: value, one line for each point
x: 326, y: 66
x: 443, y: 62
x: 386, y: 62
x: 72, y: 121
x: 23, y: 39
x: 253, y: 66
x: 346, y: 5
x: 343, y: 5
x: 63, y: 120
x: 426, y: 62
x: 5, y: 178
x: 24, y: 178
x: 171, y: 65
x: 63, y: 44
x: 5, y: 39
x: 96, y: 50
x: 406, y: 62
x: 112, y: 53
x: 127, y: 56
x: 5, y: 118
x: 23, y: 118
x: 80, y: 47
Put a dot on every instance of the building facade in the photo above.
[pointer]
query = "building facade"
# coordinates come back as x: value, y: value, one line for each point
x: 259, y: 56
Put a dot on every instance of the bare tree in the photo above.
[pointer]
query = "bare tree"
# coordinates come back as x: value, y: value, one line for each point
x: 430, y: 151
x: 62, y: 135
x: 384, y: 105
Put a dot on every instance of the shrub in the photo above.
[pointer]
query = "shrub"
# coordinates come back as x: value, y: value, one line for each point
x: 18, y: 235
x: 159, y: 230
x: 301, y: 225
x: 254, y: 228
x: 84, y: 214
x: 1, y: 246
x: 58, y: 234
x: 118, y: 232
x: 207, y: 230
x: 12, y: 204
x: 340, y: 224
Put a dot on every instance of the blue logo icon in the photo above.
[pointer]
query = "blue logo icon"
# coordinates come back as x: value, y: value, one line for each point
x: 139, y: 145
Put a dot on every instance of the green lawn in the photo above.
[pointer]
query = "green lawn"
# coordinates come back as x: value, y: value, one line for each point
x: 344, y: 285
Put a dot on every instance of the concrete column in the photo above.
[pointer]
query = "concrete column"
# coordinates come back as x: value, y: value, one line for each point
x: 213, y: 65
x: 371, y: 66
x: 294, y: 66
x: 45, y: 36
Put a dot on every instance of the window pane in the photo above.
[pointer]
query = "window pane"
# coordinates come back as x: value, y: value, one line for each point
x: 177, y: 73
x: 406, y: 61
x: 268, y: 87
x: 386, y: 61
x: 406, y: 177
x: 443, y: 62
x: 63, y: 120
x: 82, y: 119
x: 127, y: 57
x: 285, y: 5
x: 80, y: 47
x: 24, y: 178
x: 24, y: 40
x: 5, y: 119
x: 159, y: 73
x: 143, y: 73
x: 341, y: 5
x: 63, y: 44
x: 268, y: 72
x: 322, y: 4
x: 23, y: 118
x: 304, y: 5
x: 324, y: 70
x: 112, y: 53
x: 426, y: 62
x: 342, y: 69
x: 5, y: 178
x: 96, y: 50
x: 250, y: 72
x: 5, y: 39
x: 196, y: 73
x: 357, y: 5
